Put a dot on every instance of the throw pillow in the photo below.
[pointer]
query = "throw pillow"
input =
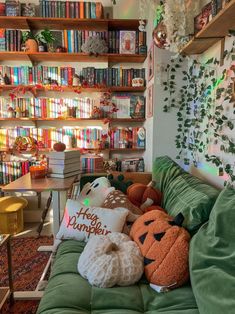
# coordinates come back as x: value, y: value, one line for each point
x: 212, y: 257
x: 111, y: 260
x: 118, y: 199
x: 81, y: 222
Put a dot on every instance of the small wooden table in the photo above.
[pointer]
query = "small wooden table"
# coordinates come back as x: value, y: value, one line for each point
x: 59, y: 188
x: 6, y: 292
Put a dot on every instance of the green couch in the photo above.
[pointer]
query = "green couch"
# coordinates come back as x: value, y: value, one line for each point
x: 68, y: 293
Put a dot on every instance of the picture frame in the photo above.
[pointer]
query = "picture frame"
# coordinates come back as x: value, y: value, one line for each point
x: 150, y: 60
x: 150, y: 101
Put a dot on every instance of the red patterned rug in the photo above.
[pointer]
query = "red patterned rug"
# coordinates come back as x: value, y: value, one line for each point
x: 28, y: 265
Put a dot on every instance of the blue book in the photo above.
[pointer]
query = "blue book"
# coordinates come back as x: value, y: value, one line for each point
x: 93, y: 10
x: 69, y: 41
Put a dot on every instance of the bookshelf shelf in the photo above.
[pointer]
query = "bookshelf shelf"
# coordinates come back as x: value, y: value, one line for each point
x: 213, y: 32
x: 72, y: 119
x: 75, y: 89
x: 36, y: 23
x: 70, y: 57
x: 47, y: 150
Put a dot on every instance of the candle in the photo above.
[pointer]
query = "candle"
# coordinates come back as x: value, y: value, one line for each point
x: 37, y: 172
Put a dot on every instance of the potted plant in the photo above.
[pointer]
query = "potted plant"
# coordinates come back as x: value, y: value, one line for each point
x: 46, y: 37
x: 29, y: 42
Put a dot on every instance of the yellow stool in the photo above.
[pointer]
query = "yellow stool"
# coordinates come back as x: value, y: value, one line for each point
x: 11, y: 214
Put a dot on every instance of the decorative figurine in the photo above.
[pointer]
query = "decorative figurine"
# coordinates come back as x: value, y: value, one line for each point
x: 95, y: 45
x: 18, y: 112
x: 7, y: 80
x: 10, y: 112
x: 76, y: 80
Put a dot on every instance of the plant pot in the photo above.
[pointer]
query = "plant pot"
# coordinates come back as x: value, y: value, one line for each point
x: 31, y: 45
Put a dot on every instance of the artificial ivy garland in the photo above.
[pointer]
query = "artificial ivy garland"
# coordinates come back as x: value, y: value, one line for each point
x: 202, y: 103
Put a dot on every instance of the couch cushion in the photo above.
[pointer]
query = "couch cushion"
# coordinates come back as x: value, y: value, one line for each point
x: 164, y: 171
x: 68, y: 293
x: 212, y: 258
x: 184, y: 193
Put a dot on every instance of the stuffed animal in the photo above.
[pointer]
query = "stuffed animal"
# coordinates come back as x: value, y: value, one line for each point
x: 146, y: 197
x: 165, y: 247
x: 111, y: 260
x: 94, y: 194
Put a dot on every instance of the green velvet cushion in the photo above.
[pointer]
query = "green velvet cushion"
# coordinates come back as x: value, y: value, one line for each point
x: 164, y: 171
x: 184, y: 193
x: 212, y: 258
x: 68, y: 293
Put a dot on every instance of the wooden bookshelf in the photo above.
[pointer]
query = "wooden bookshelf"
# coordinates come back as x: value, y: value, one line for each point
x: 107, y: 150
x: 37, y: 23
x: 214, y: 31
x: 75, y: 89
x: 73, y: 119
x: 70, y: 57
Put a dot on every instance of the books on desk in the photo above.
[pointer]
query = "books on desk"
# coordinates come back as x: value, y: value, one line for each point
x: 64, y: 164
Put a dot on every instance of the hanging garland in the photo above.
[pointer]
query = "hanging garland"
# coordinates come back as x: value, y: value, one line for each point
x: 203, y: 103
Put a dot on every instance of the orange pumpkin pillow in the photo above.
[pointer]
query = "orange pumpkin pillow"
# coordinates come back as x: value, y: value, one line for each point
x: 144, y: 196
x: 165, y: 247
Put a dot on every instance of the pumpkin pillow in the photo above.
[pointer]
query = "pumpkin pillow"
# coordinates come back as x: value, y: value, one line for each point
x: 165, y: 247
x: 111, y: 260
x: 81, y: 222
x: 144, y: 196
x: 118, y: 199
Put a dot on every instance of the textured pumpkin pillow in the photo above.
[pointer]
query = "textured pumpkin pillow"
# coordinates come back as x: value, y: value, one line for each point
x: 81, y: 222
x: 165, y: 247
x: 111, y: 260
x: 118, y: 199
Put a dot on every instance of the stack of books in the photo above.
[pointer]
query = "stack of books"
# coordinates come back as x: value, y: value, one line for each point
x: 71, y: 9
x: 64, y: 164
x: 92, y: 163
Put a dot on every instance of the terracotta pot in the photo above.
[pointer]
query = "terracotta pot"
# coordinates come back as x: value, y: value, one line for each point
x: 31, y: 45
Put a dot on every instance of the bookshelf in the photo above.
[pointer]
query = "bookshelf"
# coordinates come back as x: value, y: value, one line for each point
x: 39, y: 23
x: 75, y: 119
x: 112, y: 89
x: 213, y: 32
x: 70, y: 57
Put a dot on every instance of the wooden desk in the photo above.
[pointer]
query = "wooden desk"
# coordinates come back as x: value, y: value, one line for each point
x: 59, y: 188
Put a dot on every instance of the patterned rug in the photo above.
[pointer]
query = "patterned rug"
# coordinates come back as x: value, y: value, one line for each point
x: 28, y: 265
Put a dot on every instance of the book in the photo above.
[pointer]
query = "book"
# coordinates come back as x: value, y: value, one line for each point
x: 67, y: 154
x: 137, y: 107
x: 99, y: 10
x: 63, y: 162
x: 2, y: 39
x: 64, y: 169
x: 127, y: 42
x: 63, y: 176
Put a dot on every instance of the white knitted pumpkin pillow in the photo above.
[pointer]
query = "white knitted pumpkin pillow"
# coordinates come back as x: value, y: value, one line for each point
x: 111, y: 260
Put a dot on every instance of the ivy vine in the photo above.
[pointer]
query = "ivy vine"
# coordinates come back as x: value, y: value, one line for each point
x: 203, y: 101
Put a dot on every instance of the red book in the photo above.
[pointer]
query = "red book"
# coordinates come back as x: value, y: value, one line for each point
x: 67, y: 9
x: 77, y: 7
